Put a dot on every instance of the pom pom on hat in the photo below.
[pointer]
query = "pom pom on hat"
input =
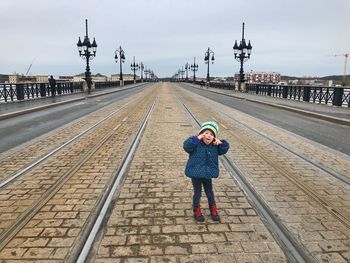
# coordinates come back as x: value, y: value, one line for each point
x: 210, y: 125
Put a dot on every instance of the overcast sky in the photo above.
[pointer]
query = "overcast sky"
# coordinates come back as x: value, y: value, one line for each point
x: 290, y: 37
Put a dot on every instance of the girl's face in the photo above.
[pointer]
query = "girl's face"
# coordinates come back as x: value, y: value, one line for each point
x: 208, y: 137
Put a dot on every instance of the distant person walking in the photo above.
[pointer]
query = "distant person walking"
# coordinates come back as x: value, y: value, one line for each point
x: 52, y: 83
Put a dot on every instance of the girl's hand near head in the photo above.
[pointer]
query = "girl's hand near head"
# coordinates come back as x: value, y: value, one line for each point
x: 200, y: 136
x: 217, y: 141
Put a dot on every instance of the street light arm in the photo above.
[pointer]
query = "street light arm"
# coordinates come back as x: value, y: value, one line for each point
x: 249, y: 49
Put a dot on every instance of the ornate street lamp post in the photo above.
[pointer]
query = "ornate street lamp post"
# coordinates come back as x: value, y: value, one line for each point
x: 181, y: 73
x: 87, y: 51
x: 134, y: 67
x: 187, y: 68
x: 176, y: 76
x: 120, y: 51
x: 194, y: 68
x: 141, y: 67
x: 147, y: 71
x: 207, y: 61
x: 242, y: 54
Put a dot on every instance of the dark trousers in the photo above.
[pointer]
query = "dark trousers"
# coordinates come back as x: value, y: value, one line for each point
x: 53, y: 91
x: 208, y: 188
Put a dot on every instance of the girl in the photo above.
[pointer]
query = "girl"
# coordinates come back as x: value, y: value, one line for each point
x: 203, y: 165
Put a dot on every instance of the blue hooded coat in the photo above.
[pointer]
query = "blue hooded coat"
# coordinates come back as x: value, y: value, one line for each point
x: 203, y: 159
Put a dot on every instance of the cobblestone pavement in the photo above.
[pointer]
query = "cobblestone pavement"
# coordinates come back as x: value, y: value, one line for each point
x: 306, y: 199
x: 152, y: 220
x: 322, y: 155
x: 19, y: 157
x: 55, y: 230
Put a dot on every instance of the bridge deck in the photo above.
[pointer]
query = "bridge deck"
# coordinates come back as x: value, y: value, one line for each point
x: 150, y: 217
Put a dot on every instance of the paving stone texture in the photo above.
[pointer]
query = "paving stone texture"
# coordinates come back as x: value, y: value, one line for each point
x: 152, y: 220
x: 308, y: 201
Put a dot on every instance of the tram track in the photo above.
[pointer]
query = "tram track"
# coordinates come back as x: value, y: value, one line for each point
x: 307, y: 190
x: 10, y: 232
x: 311, y: 186
x: 341, y: 177
x: 291, y: 247
x: 82, y: 251
x: 31, y: 211
x: 22, y: 158
x: 12, y: 177
x: 264, y: 155
x: 313, y: 160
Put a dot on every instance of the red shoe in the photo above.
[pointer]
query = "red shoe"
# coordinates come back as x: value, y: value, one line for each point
x: 214, y: 213
x: 198, y: 214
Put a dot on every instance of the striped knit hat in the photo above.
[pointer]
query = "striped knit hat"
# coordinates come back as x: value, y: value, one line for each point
x: 210, y: 125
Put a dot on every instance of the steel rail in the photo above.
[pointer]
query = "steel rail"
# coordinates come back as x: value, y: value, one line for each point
x: 290, y: 246
x: 11, y: 178
x: 335, y: 212
x: 334, y: 174
x: 345, y: 179
x: 25, y: 217
x: 108, y: 197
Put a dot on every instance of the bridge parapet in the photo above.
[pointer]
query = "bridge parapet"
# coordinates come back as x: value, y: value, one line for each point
x: 336, y: 96
x: 30, y: 90
x: 22, y: 91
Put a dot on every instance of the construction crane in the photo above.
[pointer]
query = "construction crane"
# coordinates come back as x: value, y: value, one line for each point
x: 345, y: 63
x: 30, y: 66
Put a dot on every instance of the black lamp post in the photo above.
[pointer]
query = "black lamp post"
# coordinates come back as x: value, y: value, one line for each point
x: 141, y: 67
x: 194, y: 68
x: 147, y: 71
x: 182, y: 72
x: 134, y: 67
x: 120, y: 51
x: 87, y: 51
x: 242, y: 54
x: 207, y: 60
x: 187, y: 67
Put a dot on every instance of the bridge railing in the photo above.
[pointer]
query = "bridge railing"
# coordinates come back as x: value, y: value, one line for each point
x: 26, y: 91
x: 110, y: 84
x: 336, y: 96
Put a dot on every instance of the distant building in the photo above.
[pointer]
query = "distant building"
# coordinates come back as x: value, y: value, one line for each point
x: 99, y: 78
x: 65, y: 78
x: 115, y: 77
x: 95, y: 78
x: 42, y: 78
x: 312, y: 82
x: 261, y: 77
x: 22, y: 79
x: 219, y: 79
